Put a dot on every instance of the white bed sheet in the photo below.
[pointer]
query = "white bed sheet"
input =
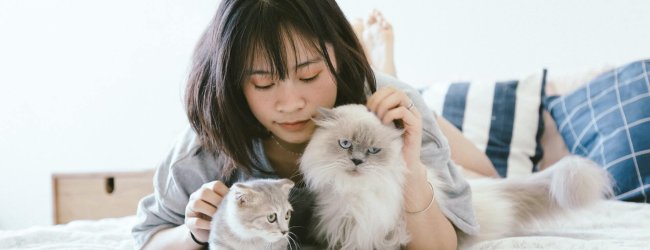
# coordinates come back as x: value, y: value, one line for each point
x: 607, y: 225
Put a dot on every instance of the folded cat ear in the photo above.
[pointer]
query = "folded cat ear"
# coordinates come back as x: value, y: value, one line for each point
x: 286, y: 185
x: 244, y: 195
x: 325, y: 117
x: 395, y: 132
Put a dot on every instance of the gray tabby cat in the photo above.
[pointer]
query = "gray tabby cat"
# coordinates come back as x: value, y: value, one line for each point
x: 253, y: 215
x: 354, y: 166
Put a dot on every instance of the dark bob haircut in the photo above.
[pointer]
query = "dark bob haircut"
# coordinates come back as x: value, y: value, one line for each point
x: 242, y: 29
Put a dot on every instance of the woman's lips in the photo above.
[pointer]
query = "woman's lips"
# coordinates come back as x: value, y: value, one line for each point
x: 293, y: 126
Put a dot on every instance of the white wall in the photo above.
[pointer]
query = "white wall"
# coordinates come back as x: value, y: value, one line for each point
x: 461, y: 39
x: 96, y: 86
x: 88, y: 86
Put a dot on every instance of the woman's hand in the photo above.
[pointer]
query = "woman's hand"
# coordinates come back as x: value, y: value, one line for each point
x: 391, y: 104
x: 202, y: 205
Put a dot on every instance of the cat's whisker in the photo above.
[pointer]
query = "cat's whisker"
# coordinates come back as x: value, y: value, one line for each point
x: 320, y: 170
x: 289, y: 244
x: 291, y: 241
x: 381, y: 173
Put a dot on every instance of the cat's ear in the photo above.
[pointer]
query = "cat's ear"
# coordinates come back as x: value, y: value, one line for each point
x: 395, y: 133
x: 286, y: 185
x: 325, y: 118
x: 244, y: 195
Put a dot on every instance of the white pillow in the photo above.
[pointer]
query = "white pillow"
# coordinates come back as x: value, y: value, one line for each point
x: 502, y: 118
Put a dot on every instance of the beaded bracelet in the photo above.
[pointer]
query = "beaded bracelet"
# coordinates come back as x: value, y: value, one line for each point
x: 430, y: 202
x: 197, y: 241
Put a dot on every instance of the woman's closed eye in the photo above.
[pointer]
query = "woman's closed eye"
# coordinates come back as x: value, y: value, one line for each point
x: 263, y: 86
x: 310, y: 79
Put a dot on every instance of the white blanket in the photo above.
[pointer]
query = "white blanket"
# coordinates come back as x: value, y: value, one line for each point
x: 114, y: 234
x: 607, y: 225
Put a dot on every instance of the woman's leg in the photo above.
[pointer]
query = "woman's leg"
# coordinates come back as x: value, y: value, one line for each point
x: 376, y: 36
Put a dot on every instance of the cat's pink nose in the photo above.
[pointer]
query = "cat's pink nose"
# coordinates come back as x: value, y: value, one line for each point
x: 357, y: 161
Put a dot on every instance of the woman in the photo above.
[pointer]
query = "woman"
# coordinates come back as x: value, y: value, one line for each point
x: 260, y: 71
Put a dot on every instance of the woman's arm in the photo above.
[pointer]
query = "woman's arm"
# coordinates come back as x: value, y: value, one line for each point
x: 429, y: 229
x: 464, y: 152
x: 172, y: 238
x: 201, y: 205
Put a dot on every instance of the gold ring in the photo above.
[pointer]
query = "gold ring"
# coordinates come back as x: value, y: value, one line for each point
x: 410, y: 106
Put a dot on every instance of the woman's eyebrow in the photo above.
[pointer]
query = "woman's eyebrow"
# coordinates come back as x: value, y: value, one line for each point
x: 307, y: 63
x: 300, y: 65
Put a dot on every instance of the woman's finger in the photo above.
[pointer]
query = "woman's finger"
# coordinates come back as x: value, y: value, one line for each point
x: 202, y: 207
x: 210, y: 196
x: 392, y: 101
x: 218, y: 187
x: 377, y: 97
x: 409, y: 119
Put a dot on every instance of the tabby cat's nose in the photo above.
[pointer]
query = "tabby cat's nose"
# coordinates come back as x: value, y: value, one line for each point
x: 284, y: 232
x: 356, y: 161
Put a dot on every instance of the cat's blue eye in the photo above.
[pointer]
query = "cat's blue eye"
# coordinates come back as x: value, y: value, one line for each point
x: 272, y: 217
x: 374, y: 150
x: 345, y: 143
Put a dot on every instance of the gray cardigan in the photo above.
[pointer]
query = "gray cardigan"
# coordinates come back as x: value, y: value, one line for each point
x: 188, y: 167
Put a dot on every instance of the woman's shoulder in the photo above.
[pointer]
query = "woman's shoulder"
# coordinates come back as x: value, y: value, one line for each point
x: 187, y: 164
x: 385, y: 80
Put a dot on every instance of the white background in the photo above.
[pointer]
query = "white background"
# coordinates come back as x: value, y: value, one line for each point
x: 97, y: 85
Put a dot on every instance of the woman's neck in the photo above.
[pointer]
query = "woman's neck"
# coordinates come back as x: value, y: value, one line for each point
x: 291, y: 148
x: 284, y: 162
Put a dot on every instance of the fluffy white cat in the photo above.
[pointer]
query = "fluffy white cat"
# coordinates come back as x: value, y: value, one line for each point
x: 353, y: 164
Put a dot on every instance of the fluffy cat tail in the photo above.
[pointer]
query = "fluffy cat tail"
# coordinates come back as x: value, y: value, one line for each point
x: 503, y: 207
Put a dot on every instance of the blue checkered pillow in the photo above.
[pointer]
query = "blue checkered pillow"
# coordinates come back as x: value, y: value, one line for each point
x: 503, y: 119
x: 608, y: 121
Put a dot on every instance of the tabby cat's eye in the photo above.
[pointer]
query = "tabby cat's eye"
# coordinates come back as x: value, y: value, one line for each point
x: 374, y: 150
x: 288, y: 215
x: 345, y: 143
x: 271, y: 217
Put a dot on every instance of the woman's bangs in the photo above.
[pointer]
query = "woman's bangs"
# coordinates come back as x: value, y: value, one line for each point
x: 269, y: 50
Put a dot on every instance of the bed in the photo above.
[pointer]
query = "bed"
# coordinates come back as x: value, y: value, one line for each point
x: 607, y: 225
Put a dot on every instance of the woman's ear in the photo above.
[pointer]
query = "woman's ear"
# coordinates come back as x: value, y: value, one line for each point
x: 325, y: 118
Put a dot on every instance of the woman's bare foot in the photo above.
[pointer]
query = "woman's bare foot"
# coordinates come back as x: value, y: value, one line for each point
x: 357, y: 26
x: 377, y: 38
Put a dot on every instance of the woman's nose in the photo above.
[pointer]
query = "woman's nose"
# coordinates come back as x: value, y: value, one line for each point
x: 290, y: 97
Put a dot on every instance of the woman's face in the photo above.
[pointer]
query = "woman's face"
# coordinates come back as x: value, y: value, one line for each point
x: 286, y: 107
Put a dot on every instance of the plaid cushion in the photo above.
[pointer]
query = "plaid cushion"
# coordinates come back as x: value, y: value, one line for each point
x: 608, y: 121
x: 503, y: 119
